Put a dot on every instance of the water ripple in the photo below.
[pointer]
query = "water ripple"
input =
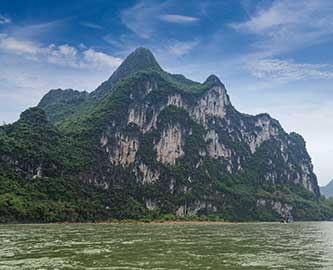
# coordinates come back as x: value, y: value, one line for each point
x: 298, y: 246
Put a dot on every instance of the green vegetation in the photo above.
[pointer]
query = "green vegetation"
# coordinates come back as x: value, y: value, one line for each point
x: 53, y: 167
x: 60, y: 104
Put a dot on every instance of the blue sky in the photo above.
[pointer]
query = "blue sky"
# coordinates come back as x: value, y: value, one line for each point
x: 273, y: 56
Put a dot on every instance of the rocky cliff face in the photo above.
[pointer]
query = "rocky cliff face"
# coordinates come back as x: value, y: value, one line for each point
x: 229, y: 137
x: 183, y: 148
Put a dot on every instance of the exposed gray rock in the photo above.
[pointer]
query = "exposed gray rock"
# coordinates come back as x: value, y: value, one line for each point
x: 169, y: 148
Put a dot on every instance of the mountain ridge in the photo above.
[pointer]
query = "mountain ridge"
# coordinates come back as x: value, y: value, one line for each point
x: 153, y: 144
x: 327, y: 190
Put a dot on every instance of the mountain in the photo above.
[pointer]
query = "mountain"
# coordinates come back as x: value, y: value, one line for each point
x: 60, y: 104
x: 147, y: 144
x: 139, y: 60
x: 327, y: 190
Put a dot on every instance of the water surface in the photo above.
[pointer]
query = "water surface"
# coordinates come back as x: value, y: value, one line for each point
x: 147, y: 246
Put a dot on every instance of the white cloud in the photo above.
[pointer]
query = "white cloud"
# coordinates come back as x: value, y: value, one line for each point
x: 61, y: 55
x: 283, y: 27
x: 144, y: 17
x: 36, y: 31
x: 139, y: 18
x: 64, y: 54
x: 99, y: 59
x: 181, y: 47
x: 116, y: 42
x: 11, y: 44
x: 279, y: 14
x: 92, y: 25
x: 288, y: 25
x: 4, y: 20
x: 174, y: 18
x: 285, y: 71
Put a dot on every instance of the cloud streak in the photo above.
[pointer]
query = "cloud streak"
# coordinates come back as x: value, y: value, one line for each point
x: 288, y: 25
x: 10, y: 44
x: 181, y: 47
x: 139, y: 18
x: 285, y: 71
x: 144, y: 18
x: 181, y: 19
x: 92, y: 25
x: 4, y: 20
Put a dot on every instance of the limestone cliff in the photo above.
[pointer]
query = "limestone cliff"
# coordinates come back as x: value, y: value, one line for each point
x: 161, y: 118
x: 171, y: 145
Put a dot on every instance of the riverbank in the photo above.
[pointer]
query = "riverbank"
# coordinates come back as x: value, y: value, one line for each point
x: 180, y: 222
x: 155, y: 222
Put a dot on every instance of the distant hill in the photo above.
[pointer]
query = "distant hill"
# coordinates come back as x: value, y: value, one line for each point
x: 327, y: 190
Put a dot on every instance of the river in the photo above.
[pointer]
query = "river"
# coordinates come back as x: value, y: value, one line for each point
x: 304, y: 245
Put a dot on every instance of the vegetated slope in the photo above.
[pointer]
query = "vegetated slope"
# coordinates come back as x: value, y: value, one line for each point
x: 149, y: 144
x: 60, y: 104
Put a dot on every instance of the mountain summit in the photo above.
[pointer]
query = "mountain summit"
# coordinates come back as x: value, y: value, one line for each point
x: 150, y: 144
x: 139, y: 60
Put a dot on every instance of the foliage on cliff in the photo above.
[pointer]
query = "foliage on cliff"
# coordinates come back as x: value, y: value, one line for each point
x: 56, y: 161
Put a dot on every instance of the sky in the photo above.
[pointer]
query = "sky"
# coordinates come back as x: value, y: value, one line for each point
x: 273, y: 56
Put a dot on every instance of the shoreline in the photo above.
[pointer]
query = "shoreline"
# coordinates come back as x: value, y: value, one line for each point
x: 138, y: 222
x: 180, y: 222
x: 157, y: 222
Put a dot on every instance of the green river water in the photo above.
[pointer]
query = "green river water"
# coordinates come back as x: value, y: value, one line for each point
x: 307, y: 245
